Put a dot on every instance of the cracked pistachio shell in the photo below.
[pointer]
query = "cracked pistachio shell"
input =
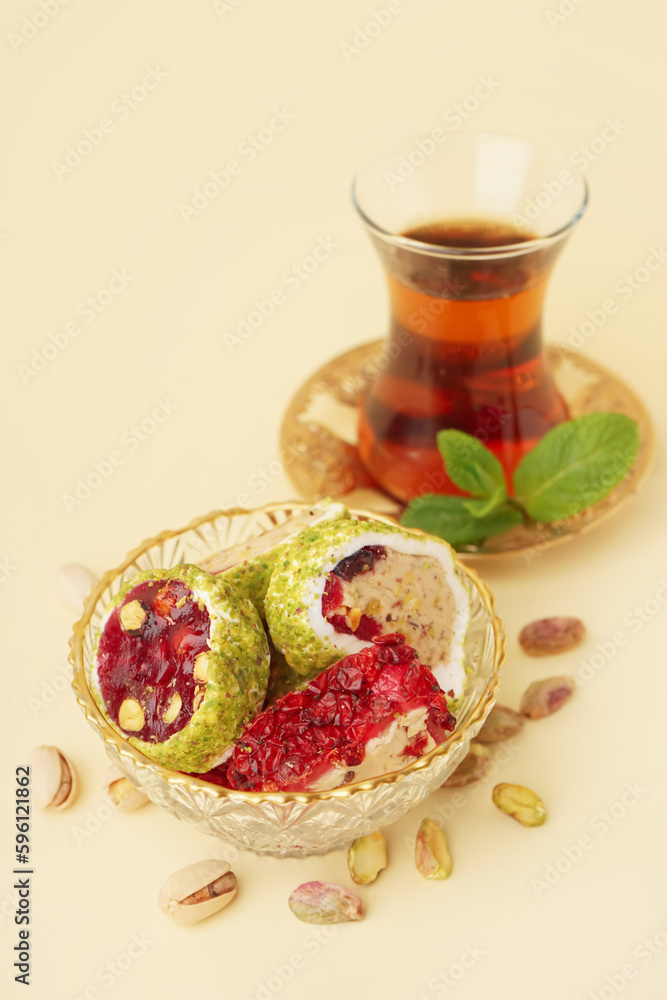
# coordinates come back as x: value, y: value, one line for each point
x: 53, y: 778
x: 198, y: 891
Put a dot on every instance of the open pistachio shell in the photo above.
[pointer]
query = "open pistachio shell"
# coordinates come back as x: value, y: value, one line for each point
x: 198, y: 891
x: 53, y: 778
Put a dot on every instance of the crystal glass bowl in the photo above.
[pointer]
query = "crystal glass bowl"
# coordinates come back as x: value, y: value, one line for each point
x: 288, y: 824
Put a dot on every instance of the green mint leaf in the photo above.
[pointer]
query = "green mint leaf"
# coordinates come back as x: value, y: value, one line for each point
x: 575, y: 465
x: 448, y: 518
x: 470, y: 465
x: 480, y: 508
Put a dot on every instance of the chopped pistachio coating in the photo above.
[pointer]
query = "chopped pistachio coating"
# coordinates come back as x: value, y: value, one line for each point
x: 311, y: 643
x: 282, y: 679
x: 252, y: 579
x: 248, y: 566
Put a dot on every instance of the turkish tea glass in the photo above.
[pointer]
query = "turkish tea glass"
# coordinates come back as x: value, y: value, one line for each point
x: 467, y: 229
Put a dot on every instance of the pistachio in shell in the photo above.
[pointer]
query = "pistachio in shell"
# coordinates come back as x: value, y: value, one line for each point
x: 198, y: 891
x: 53, y: 778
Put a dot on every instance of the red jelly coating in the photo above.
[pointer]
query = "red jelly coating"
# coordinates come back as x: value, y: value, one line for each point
x: 305, y: 733
x: 150, y: 666
x: 332, y: 599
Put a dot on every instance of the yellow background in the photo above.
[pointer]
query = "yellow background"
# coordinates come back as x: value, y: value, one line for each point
x: 219, y: 75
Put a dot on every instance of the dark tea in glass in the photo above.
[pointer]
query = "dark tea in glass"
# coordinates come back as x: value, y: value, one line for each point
x: 465, y: 346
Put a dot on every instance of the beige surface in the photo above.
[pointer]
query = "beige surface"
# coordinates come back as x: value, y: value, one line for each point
x: 219, y: 76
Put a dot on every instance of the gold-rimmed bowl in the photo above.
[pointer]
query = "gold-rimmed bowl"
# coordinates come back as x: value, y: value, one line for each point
x: 288, y: 824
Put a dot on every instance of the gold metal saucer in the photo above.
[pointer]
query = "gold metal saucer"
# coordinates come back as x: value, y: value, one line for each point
x: 318, y: 441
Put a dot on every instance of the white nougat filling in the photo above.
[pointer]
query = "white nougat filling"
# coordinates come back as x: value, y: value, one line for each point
x: 384, y: 753
x: 414, y: 590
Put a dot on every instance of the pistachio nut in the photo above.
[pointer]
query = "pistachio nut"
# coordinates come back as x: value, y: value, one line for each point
x: 366, y: 858
x: 54, y: 780
x: 200, y: 669
x: 173, y: 709
x: 547, y: 636
x: 132, y: 616
x: 432, y: 856
x: 198, y: 891
x: 521, y: 803
x: 472, y: 768
x: 325, y: 903
x: 501, y: 724
x: 545, y: 697
x: 131, y: 716
x: 120, y: 790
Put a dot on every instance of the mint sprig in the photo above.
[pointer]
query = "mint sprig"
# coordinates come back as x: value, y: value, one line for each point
x: 472, y: 466
x: 450, y: 518
x: 574, y: 465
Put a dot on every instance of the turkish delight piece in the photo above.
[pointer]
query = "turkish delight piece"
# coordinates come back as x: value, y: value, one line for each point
x: 341, y: 584
x: 181, y: 664
x: 369, y: 714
